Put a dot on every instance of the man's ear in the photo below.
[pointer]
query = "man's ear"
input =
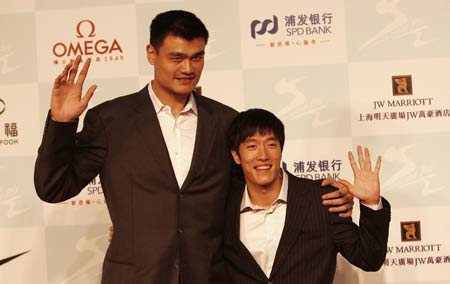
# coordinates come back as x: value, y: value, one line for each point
x: 151, y: 54
x: 236, y: 158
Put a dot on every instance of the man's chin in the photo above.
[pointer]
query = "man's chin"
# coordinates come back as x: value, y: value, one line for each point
x: 185, y: 91
x: 267, y: 182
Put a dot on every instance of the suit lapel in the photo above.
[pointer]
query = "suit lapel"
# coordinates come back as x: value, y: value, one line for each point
x: 204, y: 139
x: 148, y: 126
x: 296, y: 214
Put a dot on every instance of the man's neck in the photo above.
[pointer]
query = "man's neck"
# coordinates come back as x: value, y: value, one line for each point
x: 177, y: 102
x: 265, y: 196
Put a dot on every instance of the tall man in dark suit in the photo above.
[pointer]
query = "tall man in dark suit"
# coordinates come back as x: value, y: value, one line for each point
x: 277, y: 230
x: 162, y: 158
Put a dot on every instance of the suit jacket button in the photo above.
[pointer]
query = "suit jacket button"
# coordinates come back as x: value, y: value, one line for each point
x: 180, y: 230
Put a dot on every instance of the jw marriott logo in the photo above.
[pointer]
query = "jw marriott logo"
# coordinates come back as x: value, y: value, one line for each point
x: 410, y: 231
x: 402, y: 85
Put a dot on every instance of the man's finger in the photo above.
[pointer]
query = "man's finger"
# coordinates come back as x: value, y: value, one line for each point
x: 332, y: 195
x: 346, y: 183
x: 84, y: 72
x: 346, y: 214
x: 63, y: 76
x: 332, y: 182
x: 367, y: 158
x: 74, y: 69
x: 90, y: 92
x: 344, y: 199
x: 360, y: 158
x: 341, y: 190
x: 348, y: 197
x: 378, y: 165
x: 66, y: 70
x: 334, y: 202
x: 327, y: 181
x: 57, y: 81
x: 343, y: 208
x: 353, y: 164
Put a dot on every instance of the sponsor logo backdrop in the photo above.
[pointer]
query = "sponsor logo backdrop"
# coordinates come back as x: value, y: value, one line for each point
x: 339, y: 74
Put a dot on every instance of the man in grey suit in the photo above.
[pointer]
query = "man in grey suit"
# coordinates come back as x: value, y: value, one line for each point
x: 277, y: 230
x: 162, y: 158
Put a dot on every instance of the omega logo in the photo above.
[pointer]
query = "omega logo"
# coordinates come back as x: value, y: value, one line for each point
x: 91, y: 26
x: 87, y: 44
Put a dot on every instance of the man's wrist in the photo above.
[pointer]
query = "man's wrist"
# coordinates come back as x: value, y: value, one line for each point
x: 374, y: 206
x: 58, y: 119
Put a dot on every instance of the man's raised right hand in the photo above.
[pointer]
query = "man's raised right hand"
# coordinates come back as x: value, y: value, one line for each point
x: 67, y: 104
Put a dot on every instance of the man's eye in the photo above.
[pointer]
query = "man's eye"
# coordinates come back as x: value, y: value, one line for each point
x: 197, y: 58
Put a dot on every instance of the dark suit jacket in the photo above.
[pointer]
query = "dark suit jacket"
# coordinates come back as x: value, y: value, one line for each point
x: 160, y: 230
x: 310, y: 241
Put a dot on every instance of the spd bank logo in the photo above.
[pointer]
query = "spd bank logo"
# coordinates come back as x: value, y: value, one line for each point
x: 258, y: 27
x: 292, y: 30
x: 87, y: 43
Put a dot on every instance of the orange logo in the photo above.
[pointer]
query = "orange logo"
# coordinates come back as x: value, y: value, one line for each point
x: 410, y: 231
x: 402, y: 85
x: 90, y: 25
x: 88, y: 43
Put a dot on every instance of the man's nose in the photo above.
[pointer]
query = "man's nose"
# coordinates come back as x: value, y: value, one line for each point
x: 186, y: 66
x: 262, y: 153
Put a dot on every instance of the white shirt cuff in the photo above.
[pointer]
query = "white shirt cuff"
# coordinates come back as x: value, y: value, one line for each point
x: 375, y: 207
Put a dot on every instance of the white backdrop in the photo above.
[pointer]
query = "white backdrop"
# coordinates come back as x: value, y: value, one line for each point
x: 339, y: 74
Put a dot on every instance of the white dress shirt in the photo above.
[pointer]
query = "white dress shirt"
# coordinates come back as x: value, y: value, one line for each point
x: 260, y: 228
x: 179, y: 133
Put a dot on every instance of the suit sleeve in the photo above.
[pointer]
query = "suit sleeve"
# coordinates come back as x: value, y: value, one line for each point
x: 364, y: 246
x: 68, y: 161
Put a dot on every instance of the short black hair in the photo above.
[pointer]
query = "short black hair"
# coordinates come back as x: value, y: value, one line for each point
x: 250, y: 122
x: 179, y: 23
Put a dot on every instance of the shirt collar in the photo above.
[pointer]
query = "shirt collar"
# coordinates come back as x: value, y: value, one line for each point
x: 191, y: 104
x: 247, y: 205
